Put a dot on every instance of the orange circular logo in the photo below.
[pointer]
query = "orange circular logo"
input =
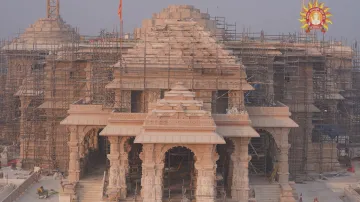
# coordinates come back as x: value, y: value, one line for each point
x: 315, y: 16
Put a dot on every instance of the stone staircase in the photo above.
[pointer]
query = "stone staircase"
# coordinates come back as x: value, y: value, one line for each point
x: 89, y: 191
x: 267, y: 193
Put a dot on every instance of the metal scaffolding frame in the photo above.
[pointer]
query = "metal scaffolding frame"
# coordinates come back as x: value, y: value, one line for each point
x: 298, y: 70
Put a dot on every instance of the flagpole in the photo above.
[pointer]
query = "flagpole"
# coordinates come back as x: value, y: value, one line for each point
x: 120, y: 13
x: 121, y: 29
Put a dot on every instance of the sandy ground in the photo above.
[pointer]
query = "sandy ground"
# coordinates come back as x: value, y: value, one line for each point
x: 330, y: 189
x: 48, y: 183
x: 15, y: 174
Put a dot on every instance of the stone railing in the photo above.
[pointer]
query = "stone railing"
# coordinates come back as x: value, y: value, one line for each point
x: 16, y: 193
x: 103, y: 186
x: 68, y: 191
x: 6, y: 190
x: 85, y: 108
x: 351, y: 194
x: 279, y: 110
x: 115, y: 117
x: 237, y: 119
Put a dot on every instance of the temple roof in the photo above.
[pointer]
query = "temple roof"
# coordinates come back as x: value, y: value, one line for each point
x: 179, y: 118
x: 45, y: 34
x: 177, y: 12
x: 180, y: 47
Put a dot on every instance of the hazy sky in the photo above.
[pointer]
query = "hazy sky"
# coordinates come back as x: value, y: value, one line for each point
x: 273, y: 16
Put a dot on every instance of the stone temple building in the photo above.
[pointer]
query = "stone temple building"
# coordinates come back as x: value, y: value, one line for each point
x: 167, y: 125
x: 183, y: 110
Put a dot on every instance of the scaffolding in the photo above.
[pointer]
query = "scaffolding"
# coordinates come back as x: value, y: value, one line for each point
x: 38, y: 91
x: 312, y: 76
x: 318, y: 79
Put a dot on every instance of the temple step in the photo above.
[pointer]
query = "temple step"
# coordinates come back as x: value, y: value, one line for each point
x: 267, y: 193
x: 89, y: 191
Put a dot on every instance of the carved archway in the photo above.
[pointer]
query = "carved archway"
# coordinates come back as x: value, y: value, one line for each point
x: 93, y: 149
x: 165, y: 148
x: 263, y: 151
x: 153, y: 156
x: 224, y: 168
x: 134, y: 164
x: 179, y: 175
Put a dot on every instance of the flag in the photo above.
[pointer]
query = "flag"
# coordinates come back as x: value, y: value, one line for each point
x: 120, y: 11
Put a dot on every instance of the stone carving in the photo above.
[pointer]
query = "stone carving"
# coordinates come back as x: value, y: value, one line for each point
x: 4, y: 157
x: 184, y: 198
x: 252, y: 193
x: 233, y: 110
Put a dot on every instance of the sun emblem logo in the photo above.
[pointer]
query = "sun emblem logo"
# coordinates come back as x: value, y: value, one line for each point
x: 315, y: 16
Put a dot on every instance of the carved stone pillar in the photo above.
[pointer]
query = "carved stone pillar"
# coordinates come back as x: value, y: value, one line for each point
x: 114, y: 158
x: 126, y: 100
x: 281, y: 138
x: 96, y: 140
x: 236, y: 100
x: 92, y: 139
x: 151, y: 96
x: 22, y: 132
x: 284, y: 164
x: 159, y: 170
x: 206, y: 168
x: 82, y: 149
x: 148, y: 190
x: 117, y: 103
x: 122, y: 174
x: 74, y: 162
x: 230, y: 176
x: 240, y: 175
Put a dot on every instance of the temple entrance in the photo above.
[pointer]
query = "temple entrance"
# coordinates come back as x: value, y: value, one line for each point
x: 94, y: 161
x: 179, y: 174
x: 223, y: 172
x: 133, y: 179
x: 263, y: 165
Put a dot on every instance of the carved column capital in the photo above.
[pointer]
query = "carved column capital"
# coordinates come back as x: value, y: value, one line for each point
x: 72, y: 128
x: 284, y: 148
x: 113, y: 139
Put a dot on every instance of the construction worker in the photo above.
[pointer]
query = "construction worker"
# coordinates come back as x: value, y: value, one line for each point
x: 42, y: 192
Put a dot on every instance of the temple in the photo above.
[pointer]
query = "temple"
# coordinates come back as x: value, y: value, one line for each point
x: 183, y: 143
x: 185, y: 108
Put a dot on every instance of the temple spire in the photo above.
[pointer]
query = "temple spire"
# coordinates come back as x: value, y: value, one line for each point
x: 53, y: 9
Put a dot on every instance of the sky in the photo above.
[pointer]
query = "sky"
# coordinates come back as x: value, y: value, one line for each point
x: 90, y: 16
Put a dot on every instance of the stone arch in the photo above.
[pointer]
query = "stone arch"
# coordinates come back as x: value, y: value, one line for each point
x: 90, y: 153
x: 130, y: 158
x: 84, y: 131
x: 280, y: 135
x: 264, y: 153
x: 167, y: 147
x: 179, y: 171
x: 124, y: 143
x: 224, y: 167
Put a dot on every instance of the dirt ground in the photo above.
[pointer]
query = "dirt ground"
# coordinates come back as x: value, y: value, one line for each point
x: 48, y: 183
x: 329, y: 188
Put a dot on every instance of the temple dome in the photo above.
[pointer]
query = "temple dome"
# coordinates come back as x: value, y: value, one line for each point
x: 46, y: 33
x: 180, y: 13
